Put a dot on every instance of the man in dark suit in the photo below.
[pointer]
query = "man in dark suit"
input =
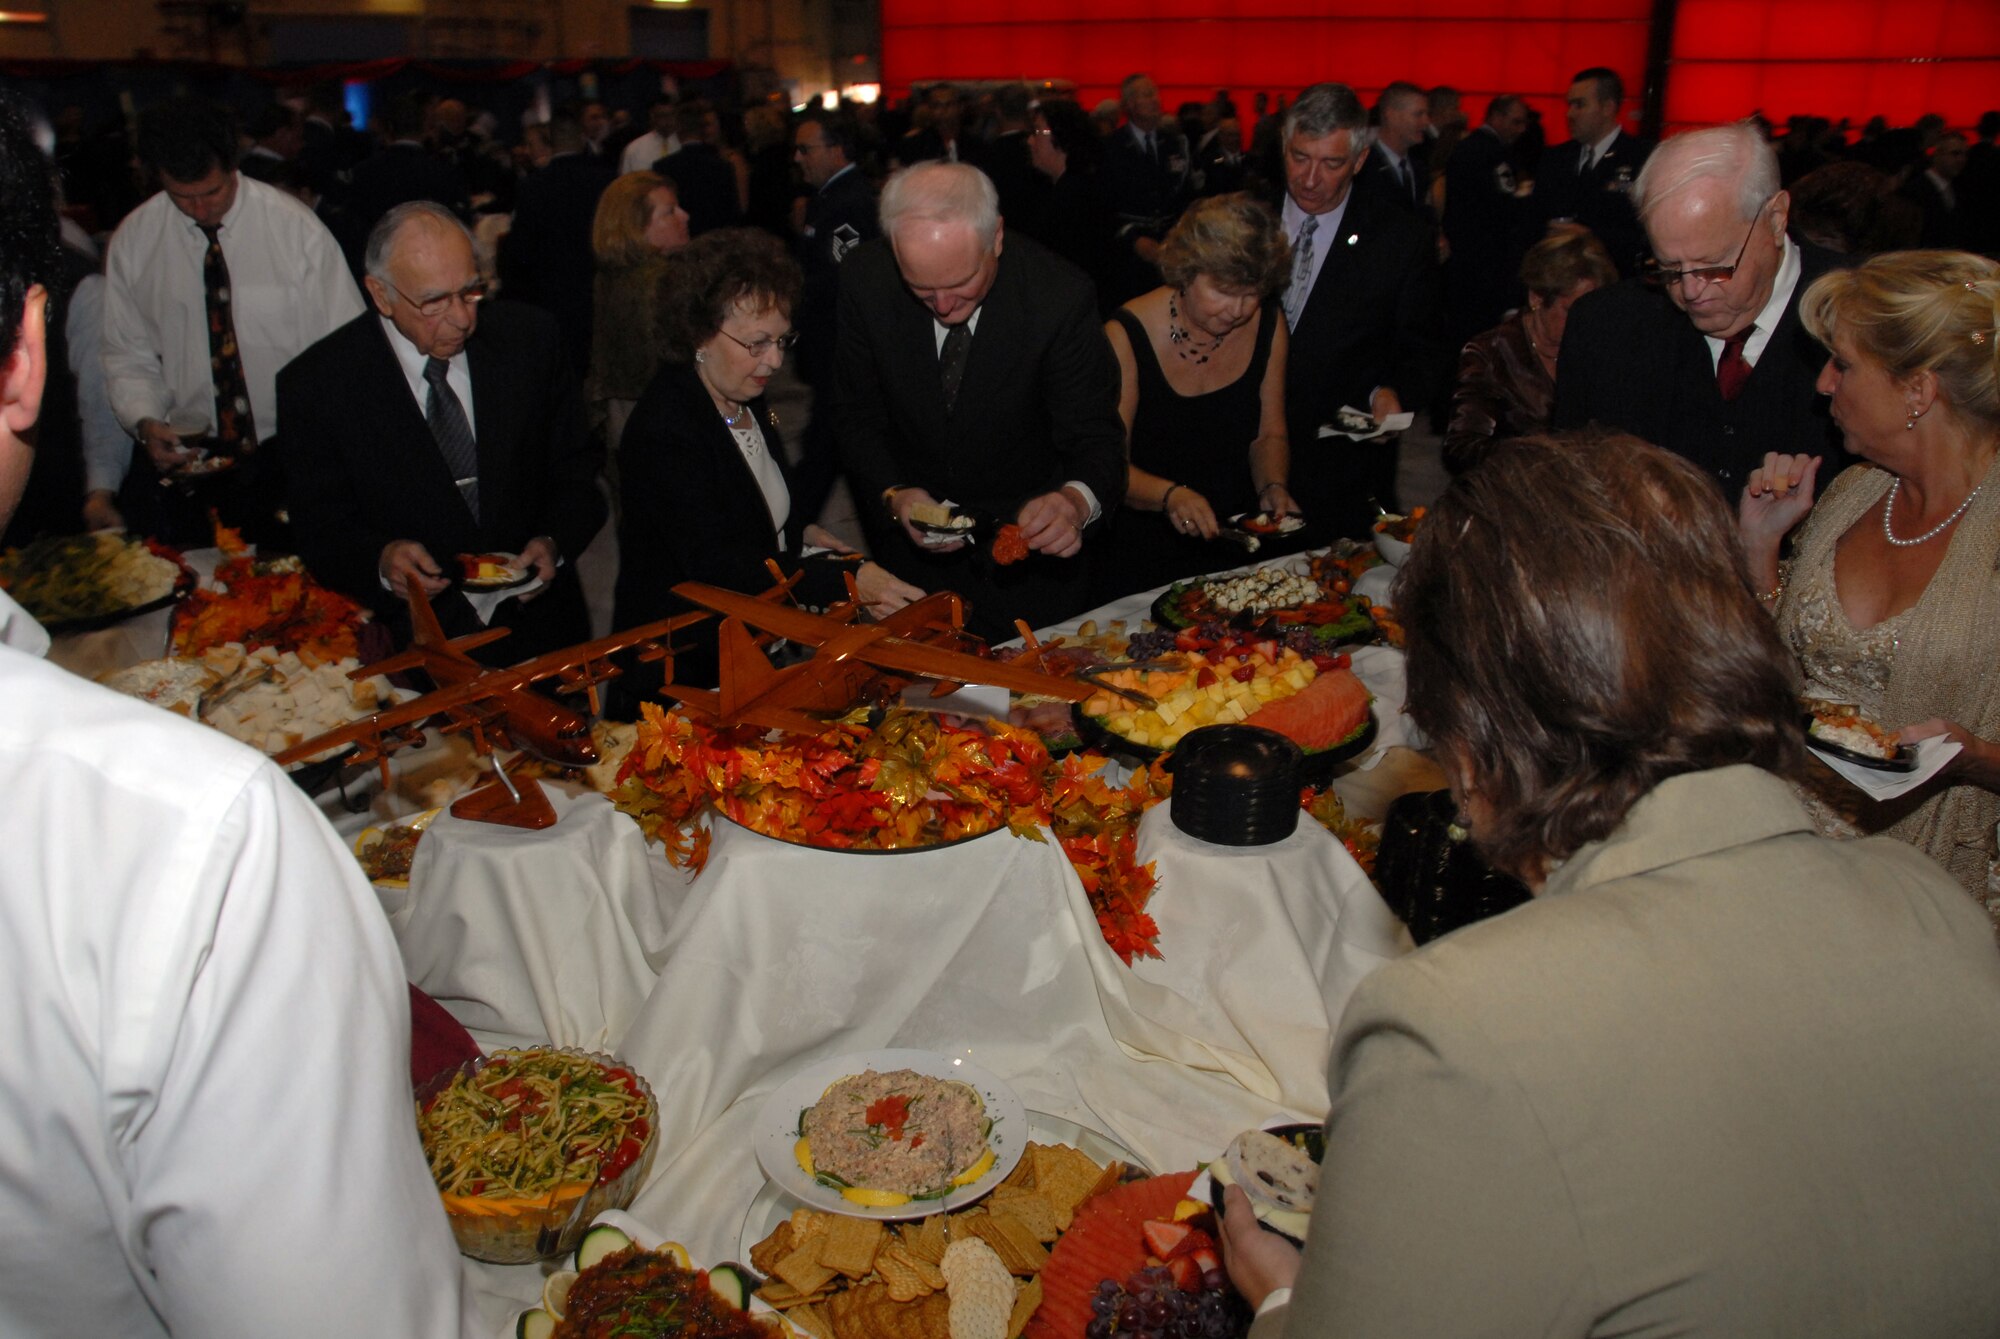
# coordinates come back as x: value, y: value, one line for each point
x: 1146, y: 181
x: 1402, y: 120
x: 976, y: 373
x: 1485, y: 222
x: 702, y: 177
x: 402, y: 170
x: 430, y: 428
x: 546, y: 257
x: 839, y: 217
x: 1362, y: 307
x: 1717, y: 367
x: 1589, y: 178
x: 1935, y: 192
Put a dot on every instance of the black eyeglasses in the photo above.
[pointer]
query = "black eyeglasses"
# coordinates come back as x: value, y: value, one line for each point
x: 757, y: 348
x: 432, y: 308
x: 1655, y: 273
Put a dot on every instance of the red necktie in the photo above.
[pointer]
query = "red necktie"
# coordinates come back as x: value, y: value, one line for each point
x: 1733, y: 369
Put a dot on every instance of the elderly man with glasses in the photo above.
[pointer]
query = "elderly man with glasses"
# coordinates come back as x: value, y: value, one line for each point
x: 435, y: 426
x: 1704, y: 354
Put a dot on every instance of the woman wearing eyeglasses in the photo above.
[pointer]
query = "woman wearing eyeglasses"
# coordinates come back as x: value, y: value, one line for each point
x: 1892, y: 597
x: 705, y: 490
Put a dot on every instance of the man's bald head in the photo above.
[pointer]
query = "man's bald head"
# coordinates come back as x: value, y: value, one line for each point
x: 943, y: 221
x: 423, y: 276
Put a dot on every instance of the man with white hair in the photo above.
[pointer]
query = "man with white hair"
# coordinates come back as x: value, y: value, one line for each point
x: 1706, y: 356
x: 972, y: 369
x: 438, y: 425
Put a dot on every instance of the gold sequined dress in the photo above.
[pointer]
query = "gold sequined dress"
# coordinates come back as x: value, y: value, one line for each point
x: 1938, y: 658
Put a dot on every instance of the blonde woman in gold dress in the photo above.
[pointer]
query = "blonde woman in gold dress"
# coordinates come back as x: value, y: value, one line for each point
x: 1892, y: 596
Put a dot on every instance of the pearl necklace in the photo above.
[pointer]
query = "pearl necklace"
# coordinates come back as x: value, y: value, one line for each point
x: 1183, y: 339
x: 1889, y: 502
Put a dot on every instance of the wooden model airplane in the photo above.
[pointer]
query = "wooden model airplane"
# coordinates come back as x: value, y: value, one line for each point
x: 924, y: 640
x: 494, y: 707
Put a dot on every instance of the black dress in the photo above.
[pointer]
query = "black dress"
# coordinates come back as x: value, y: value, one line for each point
x: 1199, y: 441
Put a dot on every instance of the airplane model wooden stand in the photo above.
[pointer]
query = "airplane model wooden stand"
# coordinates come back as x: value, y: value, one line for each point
x: 494, y: 708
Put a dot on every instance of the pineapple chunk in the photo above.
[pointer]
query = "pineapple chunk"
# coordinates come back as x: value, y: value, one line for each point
x: 1168, y: 712
x: 1233, y: 712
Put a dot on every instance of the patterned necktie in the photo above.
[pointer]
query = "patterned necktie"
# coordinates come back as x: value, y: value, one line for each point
x: 235, y: 428
x: 951, y: 361
x: 1302, y: 272
x: 1732, y: 369
x: 454, y: 435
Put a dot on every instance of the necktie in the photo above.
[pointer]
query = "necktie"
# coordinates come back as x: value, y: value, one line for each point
x: 1733, y: 369
x: 1409, y: 178
x: 951, y: 361
x: 1302, y: 271
x: 1152, y: 149
x: 453, y: 433
x: 235, y: 429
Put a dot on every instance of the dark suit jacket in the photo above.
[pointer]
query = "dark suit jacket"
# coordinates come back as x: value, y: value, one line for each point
x: 1631, y: 361
x: 1600, y: 199
x: 704, y: 184
x: 1484, y: 222
x: 362, y: 468
x: 1038, y: 407
x: 546, y: 257
x: 398, y: 174
x: 839, y: 217
x: 1371, y: 320
x: 691, y: 510
x: 1943, y: 224
x: 1377, y: 177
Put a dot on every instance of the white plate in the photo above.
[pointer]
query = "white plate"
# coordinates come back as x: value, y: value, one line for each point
x: 517, y: 575
x: 778, y: 1125
x: 773, y: 1205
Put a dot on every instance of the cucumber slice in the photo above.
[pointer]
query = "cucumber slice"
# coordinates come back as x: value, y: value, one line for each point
x: 597, y: 1243
x: 536, y: 1324
x: 733, y: 1284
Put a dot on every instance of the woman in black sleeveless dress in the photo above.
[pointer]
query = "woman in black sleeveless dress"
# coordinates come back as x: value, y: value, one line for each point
x: 1203, y: 363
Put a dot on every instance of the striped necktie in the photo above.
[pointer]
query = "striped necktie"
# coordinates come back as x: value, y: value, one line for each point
x: 454, y: 434
x: 1302, y: 272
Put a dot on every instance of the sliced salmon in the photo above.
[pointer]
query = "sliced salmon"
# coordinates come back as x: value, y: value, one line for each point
x: 1321, y: 714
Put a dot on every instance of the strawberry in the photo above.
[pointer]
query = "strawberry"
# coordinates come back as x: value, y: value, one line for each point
x: 1195, y: 1241
x: 1163, y: 1239
x: 1186, y: 1273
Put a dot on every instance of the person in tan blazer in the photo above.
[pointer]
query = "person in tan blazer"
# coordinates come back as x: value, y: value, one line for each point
x: 1721, y: 1076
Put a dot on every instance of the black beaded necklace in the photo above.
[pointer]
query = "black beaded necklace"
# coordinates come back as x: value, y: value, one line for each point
x: 1183, y: 339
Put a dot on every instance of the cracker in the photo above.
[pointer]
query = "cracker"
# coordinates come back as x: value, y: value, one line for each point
x: 907, y: 1282
x: 813, y: 1319
x: 981, y: 1291
x: 765, y: 1255
x: 1029, y: 1207
x: 931, y: 1317
x: 850, y: 1245
x: 926, y: 1241
x: 1067, y: 1178
x: 958, y: 1226
x: 1011, y: 1240
x: 1023, y: 1175
x: 1109, y: 1179
x: 1025, y: 1305
x: 803, y: 1271
x: 808, y: 1223
x: 784, y: 1296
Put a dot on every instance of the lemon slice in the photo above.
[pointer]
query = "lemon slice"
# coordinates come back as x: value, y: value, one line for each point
x: 874, y: 1199
x: 555, y: 1292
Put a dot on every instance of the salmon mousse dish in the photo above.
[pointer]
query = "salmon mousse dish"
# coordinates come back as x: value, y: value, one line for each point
x: 884, y: 1139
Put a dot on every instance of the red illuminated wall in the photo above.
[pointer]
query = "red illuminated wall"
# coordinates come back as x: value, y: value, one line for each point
x: 1853, y: 58
x: 1192, y: 47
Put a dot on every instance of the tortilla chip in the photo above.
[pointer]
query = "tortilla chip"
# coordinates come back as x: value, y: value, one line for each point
x: 850, y: 1245
x: 803, y: 1271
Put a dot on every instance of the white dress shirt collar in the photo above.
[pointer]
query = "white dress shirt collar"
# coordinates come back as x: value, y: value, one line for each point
x: 413, y: 361
x: 1294, y: 218
x: 1595, y: 153
x: 1772, y: 312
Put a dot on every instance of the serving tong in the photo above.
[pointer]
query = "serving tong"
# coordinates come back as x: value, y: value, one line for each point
x: 548, y: 1241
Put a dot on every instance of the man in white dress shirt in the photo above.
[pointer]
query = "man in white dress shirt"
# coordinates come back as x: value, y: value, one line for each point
x: 286, y: 287
x: 205, y: 1119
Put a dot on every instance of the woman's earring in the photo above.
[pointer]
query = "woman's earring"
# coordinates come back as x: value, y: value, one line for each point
x: 702, y: 357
